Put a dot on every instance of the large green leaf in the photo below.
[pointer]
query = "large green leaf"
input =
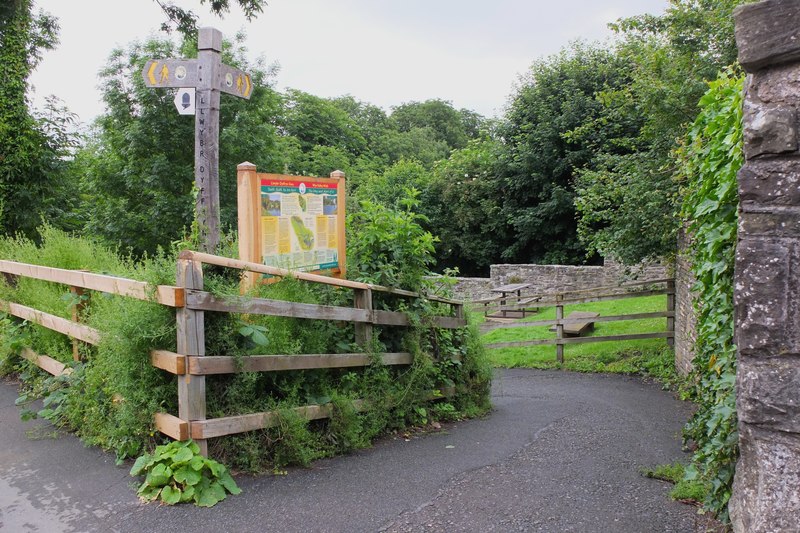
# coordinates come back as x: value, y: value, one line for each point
x: 188, y: 494
x: 187, y: 475
x: 227, y: 481
x: 159, y: 475
x: 183, y: 455
x: 210, y: 496
x: 141, y: 463
x: 197, y: 463
x: 170, y: 495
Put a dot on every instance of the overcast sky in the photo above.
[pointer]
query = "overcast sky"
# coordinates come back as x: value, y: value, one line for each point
x: 388, y: 52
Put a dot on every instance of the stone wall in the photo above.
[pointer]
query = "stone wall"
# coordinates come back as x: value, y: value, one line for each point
x: 685, y: 317
x: 766, y: 491
x: 548, y: 279
x: 473, y: 288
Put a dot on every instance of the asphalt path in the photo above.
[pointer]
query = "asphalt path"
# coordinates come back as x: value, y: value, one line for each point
x: 560, y: 452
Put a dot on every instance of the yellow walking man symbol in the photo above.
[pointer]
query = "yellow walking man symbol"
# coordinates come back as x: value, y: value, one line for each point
x: 164, y: 74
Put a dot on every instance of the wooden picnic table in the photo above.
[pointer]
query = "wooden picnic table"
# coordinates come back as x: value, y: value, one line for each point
x: 512, y: 288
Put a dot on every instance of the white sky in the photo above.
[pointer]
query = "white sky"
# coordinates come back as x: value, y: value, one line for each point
x: 384, y: 52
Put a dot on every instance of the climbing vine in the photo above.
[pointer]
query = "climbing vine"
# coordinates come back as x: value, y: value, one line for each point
x: 709, y: 160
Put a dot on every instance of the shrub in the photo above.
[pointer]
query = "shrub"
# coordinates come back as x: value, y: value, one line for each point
x: 110, y: 398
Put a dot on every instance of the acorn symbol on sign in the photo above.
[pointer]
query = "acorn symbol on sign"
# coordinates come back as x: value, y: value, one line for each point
x: 186, y: 100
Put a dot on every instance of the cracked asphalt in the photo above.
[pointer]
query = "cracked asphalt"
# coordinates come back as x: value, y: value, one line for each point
x: 560, y: 452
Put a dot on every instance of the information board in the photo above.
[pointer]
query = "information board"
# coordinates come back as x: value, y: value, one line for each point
x: 299, y: 223
x: 292, y: 222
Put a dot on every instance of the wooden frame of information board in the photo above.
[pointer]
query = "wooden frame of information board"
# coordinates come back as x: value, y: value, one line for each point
x: 251, y: 217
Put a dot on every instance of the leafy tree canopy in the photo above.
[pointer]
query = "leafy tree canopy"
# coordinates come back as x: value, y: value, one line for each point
x: 446, y: 123
x: 32, y: 145
x: 627, y: 202
x: 538, y: 162
x: 185, y: 21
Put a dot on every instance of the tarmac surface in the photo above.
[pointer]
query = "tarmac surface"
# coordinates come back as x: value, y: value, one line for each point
x: 560, y: 452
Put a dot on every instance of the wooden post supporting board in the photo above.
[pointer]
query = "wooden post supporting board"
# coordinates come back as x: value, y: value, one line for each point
x: 248, y: 190
x: 191, y: 341
x: 340, y: 230
x: 77, y: 307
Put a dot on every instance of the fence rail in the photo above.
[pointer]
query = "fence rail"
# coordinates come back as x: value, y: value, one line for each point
x: 190, y: 363
x: 600, y: 294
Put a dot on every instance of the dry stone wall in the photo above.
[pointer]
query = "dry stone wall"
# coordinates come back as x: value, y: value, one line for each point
x: 548, y: 279
x: 685, y: 316
x: 766, y: 492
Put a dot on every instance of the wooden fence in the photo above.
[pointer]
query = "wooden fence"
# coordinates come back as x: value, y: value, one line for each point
x: 190, y: 363
x: 599, y: 294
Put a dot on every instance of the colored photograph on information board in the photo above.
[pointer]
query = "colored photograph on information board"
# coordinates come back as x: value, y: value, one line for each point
x: 299, y: 224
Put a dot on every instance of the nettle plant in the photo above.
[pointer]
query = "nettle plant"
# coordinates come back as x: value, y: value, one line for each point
x: 177, y: 473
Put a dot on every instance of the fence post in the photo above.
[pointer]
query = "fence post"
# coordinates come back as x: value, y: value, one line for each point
x: 671, y: 309
x: 559, y: 328
x: 363, y: 300
x: 191, y: 341
x: 459, y: 310
x: 77, y: 307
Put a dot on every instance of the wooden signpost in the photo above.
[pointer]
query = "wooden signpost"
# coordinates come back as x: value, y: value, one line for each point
x: 209, y: 77
x: 200, y: 82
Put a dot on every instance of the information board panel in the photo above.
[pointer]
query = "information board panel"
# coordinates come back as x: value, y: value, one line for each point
x: 299, y: 223
x: 292, y: 222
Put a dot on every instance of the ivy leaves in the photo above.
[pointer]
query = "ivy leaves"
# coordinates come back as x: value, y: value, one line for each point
x: 176, y: 473
x: 710, y: 158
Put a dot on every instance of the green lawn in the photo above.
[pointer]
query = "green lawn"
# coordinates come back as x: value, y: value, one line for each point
x: 615, y: 356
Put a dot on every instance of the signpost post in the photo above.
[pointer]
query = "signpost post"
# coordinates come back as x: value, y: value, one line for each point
x: 208, y: 77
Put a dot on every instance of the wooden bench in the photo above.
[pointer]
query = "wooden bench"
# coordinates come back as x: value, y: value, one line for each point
x: 576, y: 329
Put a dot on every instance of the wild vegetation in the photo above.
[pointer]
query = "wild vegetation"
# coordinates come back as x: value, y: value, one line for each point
x: 597, y: 154
x: 710, y: 159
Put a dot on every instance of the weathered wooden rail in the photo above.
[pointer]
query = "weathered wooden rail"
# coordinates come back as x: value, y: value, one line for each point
x: 191, y: 364
x: 599, y: 294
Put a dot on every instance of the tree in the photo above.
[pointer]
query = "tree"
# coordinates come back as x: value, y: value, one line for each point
x: 185, y: 21
x: 137, y: 167
x: 316, y: 121
x: 462, y: 206
x: 540, y: 157
x: 447, y: 124
x: 627, y: 203
x: 388, y: 188
x: 419, y: 144
x: 27, y: 152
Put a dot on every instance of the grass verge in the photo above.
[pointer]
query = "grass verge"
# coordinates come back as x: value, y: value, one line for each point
x: 647, y: 356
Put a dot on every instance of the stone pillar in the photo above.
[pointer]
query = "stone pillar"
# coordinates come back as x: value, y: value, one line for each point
x: 766, y: 492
